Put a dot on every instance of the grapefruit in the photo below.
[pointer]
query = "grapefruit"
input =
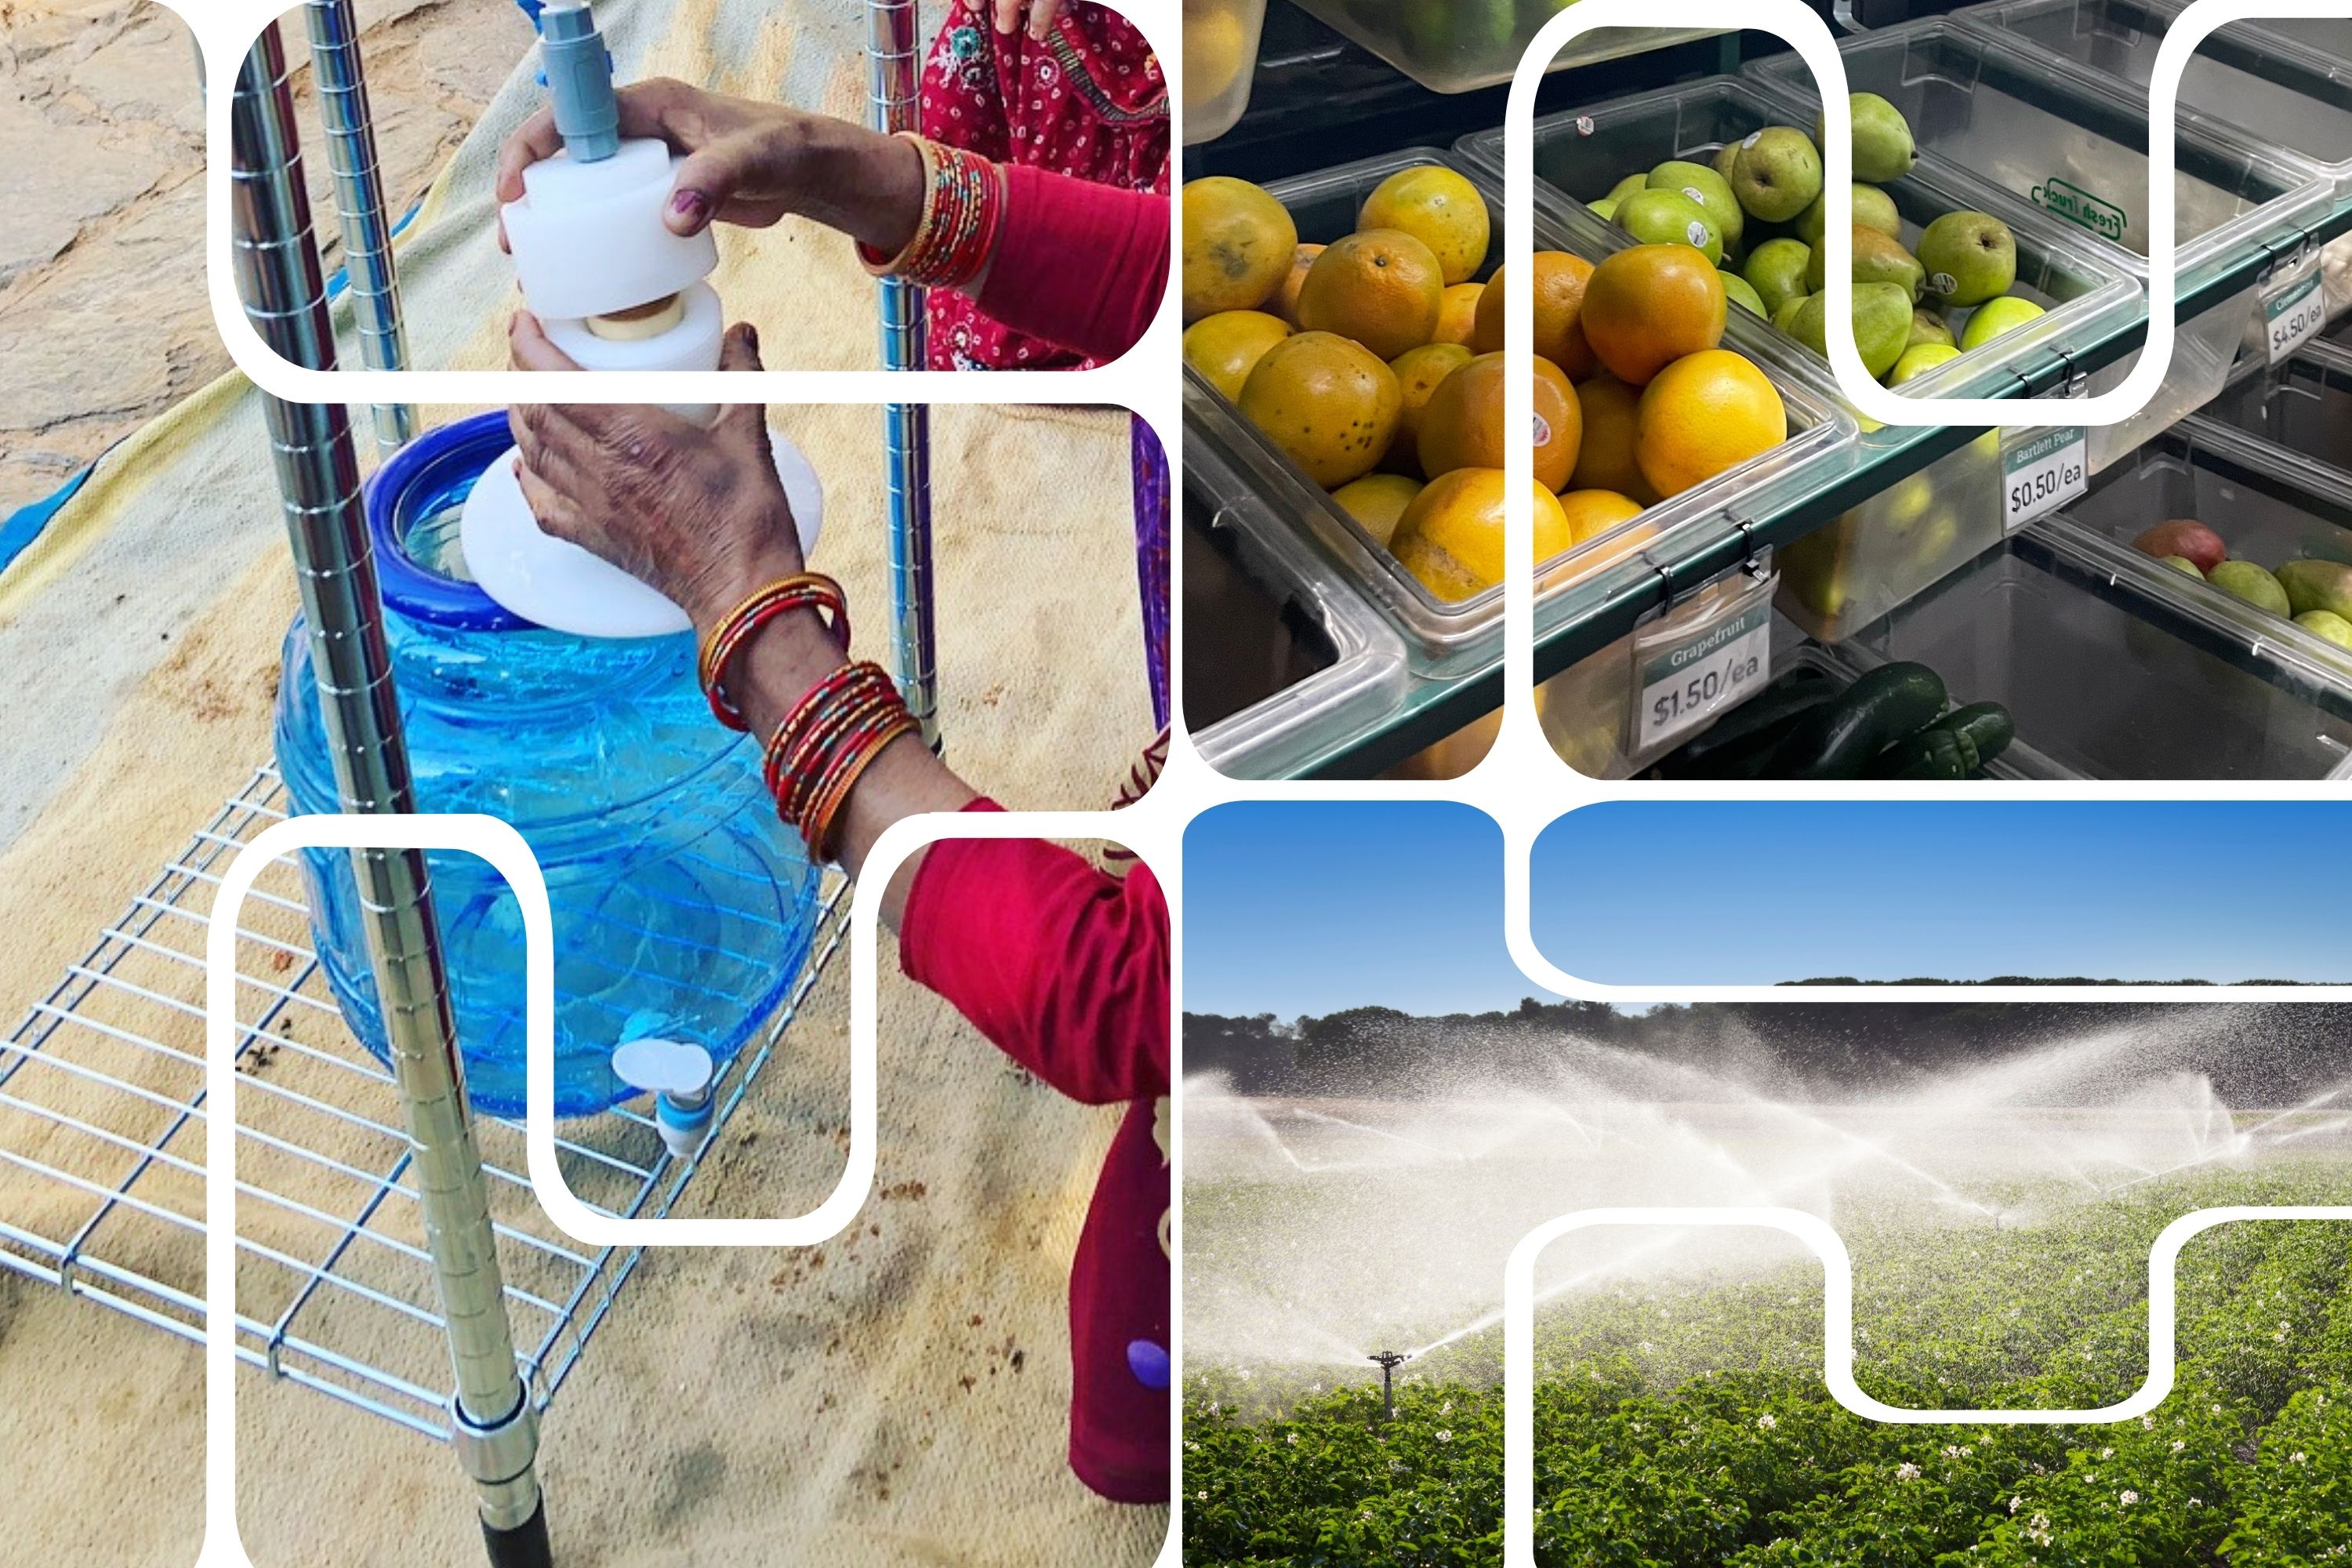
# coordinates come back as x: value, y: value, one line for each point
x: 1376, y: 501
x: 1648, y: 306
x: 1326, y: 402
x: 1226, y: 347
x: 1703, y: 414
x: 1450, y: 537
x: 1560, y: 281
x: 1605, y: 461
x: 1437, y: 207
x: 1238, y: 242
x: 1284, y: 302
x: 1461, y: 427
x: 1419, y: 373
x: 1381, y: 286
x: 1457, y: 312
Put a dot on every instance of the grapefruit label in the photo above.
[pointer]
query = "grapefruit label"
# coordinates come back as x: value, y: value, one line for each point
x: 1698, y: 661
x: 1543, y: 431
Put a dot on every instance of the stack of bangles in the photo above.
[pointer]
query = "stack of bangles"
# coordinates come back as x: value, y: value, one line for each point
x: 833, y: 733
x: 963, y: 210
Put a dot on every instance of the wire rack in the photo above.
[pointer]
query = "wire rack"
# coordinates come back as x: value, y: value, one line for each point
x: 101, y: 1152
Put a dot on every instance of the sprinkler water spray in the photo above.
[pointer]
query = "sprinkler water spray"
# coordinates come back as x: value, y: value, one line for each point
x: 1389, y: 1361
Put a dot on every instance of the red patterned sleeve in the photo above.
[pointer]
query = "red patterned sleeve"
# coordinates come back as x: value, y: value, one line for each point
x: 1078, y: 264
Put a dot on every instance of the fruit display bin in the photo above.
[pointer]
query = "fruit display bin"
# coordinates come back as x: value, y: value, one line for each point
x: 1459, y: 45
x: 1450, y: 641
x: 2110, y: 674
x: 2004, y: 121
x: 2303, y: 409
x: 1876, y: 556
x: 2279, y: 92
x: 2267, y: 506
x: 1221, y: 39
x: 1281, y: 656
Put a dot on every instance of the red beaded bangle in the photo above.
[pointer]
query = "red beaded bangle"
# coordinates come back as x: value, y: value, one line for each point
x: 812, y: 701
x: 869, y: 745
x: 806, y: 590
x: 963, y: 211
x: 803, y: 778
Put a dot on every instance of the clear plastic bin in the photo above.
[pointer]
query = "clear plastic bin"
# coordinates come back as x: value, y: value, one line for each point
x: 1458, y: 45
x: 1221, y: 39
x: 2279, y: 92
x: 1281, y: 658
x: 2303, y: 409
x: 1980, y: 104
x: 2108, y: 675
x: 1464, y: 637
x: 2269, y: 506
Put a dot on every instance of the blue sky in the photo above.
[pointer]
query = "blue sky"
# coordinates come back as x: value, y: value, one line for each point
x: 1640, y: 892
x: 1309, y: 908
x: 1301, y: 908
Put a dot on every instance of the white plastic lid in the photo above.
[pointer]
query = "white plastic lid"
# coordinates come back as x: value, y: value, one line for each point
x: 588, y: 238
x: 561, y: 586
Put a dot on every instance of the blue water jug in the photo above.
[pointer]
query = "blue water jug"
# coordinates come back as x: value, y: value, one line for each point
x: 681, y: 907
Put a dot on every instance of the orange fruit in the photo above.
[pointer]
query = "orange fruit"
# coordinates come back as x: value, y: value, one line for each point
x: 1437, y: 207
x: 1284, y: 302
x: 1381, y: 286
x: 1703, y: 414
x: 1419, y: 373
x: 1326, y: 402
x: 1649, y: 306
x: 1605, y: 460
x: 1238, y: 242
x: 1592, y: 513
x: 1226, y: 347
x: 1377, y: 500
x: 1450, y: 537
x: 1561, y: 280
x: 1457, y: 312
x: 1461, y: 427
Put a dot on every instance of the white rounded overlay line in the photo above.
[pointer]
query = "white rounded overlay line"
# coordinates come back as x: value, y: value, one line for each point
x: 1837, y: 1333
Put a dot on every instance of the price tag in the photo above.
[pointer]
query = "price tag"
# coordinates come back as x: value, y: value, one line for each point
x: 2042, y: 471
x: 1710, y: 655
x: 2296, y: 315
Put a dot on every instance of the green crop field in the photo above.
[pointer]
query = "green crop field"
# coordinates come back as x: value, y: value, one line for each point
x: 1681, y: 1421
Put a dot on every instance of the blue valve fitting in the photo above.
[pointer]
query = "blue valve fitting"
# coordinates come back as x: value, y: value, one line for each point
x: 578, y: 70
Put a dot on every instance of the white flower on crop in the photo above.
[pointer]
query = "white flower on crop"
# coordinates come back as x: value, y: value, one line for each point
x: 1213, y: 1407
x: 1954, y: 1451
x: 2148, y: 1423
x: 2298, y: 1457
x: 1294, y: 1439
x: 2015, y: 1503
x: 1445, y: 1435
x: 1767, y: 1421
x: 2106, y: 1453
x: 2177, y: 1444
x: 2128, y: 1497
x: 1446, y: 1408
x: 1203, y: 1494
x: 1907, y: 1471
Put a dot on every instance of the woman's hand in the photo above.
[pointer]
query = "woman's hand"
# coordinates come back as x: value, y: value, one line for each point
x: 1042, y: 15
x: 698, y: 514
x: 750, y: 163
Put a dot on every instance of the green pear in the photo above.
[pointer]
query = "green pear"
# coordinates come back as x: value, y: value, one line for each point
x: 1872, y: 208
x: 2182, y: 563
x: 1777, y: 173
x: 2320, y: 623
x: 1994, y: 317
x: 1969, y: 257
x: 2246, y: 580
x: 1669, y: 217
x: 1742, y: 293
x: 1784, y: 316
x: 1776, y: 269
x: 1876, y: 259
x: 1606, y: 207
x: 1725, y: 157
x: 1628, y: 186
x: 2318, y: 586
x: 1926, y: 326
x: 1710, y: 190
x: 1881, y: 325
x: 1919, y: 359
x: 1883, y: 148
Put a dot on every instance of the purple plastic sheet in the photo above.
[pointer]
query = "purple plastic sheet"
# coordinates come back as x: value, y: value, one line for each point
x: 1151, y: 502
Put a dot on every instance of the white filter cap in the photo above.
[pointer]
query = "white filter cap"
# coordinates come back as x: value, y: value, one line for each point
x: 693, y: 344
x: 588, y: 238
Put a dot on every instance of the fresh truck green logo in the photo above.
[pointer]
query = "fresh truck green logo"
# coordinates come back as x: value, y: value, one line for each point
x: 2078, y: 205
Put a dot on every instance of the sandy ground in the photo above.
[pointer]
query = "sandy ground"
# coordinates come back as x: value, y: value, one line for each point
x: 101, y: 154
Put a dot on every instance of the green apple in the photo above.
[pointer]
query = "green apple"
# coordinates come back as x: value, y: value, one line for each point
x: 2245, y: 580
x: 2334, y: 627
x: 1919, y: 359
x: 1777, y: 174
x: 1969, y: 257
x: 1926, y: 326
x: 1876, y: 259
x: 2182, y: 563
x: 2313, y: 584
x: 1883, y: 148
x: 1628, y: 186
x: 1710, y: 190
x: 1784, y: 315
x: 1881, y: 325
x: 1776, y: 269
x: 1669, y: 217
x: 1742, y: 293
x: 1872, y: 208
x: 1994, y: 317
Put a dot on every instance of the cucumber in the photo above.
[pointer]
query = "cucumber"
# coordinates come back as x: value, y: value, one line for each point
x: 1953, y: 747
x: 1753, y: 727
x: 1837, y: 740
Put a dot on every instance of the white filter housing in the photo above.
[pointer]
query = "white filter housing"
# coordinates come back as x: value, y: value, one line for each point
x: 588, y: 238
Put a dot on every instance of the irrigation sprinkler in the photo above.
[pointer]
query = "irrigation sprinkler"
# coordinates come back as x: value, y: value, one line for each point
x: 373, y: 285
x: 280, y: 281
x: 1389, y: 1361
x: 893, y: 101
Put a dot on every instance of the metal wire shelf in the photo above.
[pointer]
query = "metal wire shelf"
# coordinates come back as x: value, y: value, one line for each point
x: 101, y: 1156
